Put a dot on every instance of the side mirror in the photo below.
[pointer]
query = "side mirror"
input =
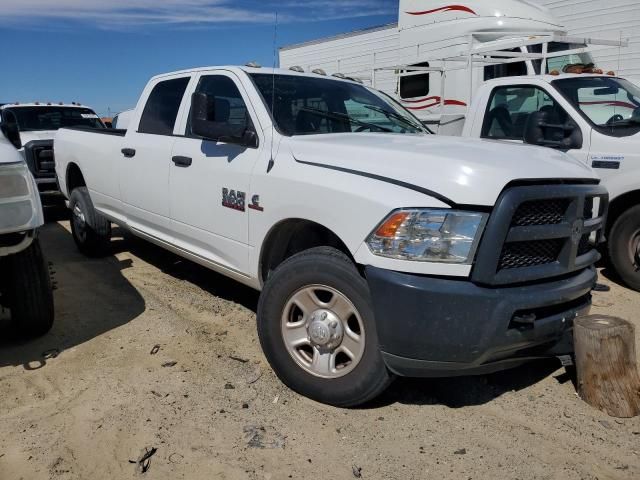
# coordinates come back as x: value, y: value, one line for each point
x: 10, y: 128
x: 540, y: 130
x: 209, y: 120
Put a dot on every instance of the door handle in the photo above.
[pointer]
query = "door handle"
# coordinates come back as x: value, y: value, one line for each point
x: 183, y: 162
x: 128, y: 152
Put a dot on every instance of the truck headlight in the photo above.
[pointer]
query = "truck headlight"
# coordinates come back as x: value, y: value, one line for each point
x: 429, y: 235
x: 20, y: 208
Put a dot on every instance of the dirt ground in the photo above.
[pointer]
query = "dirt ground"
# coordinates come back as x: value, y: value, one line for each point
x: 90, y: 397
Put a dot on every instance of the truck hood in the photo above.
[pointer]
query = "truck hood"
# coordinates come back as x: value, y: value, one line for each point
x: 466, y: 171
x: 8, y: 153
x: 37, y: 135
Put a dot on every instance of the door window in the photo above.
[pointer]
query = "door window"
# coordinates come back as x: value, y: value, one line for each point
x: 229, y: 107
x: 510, y: 108
x: 160, y: 112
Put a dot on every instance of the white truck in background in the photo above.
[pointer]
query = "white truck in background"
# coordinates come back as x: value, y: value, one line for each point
x: 488, y: 65
x: 25, y: 285
x: 379, y: 249
x: 595, y: 119
x: 37, y: 123
x: 121, y: 120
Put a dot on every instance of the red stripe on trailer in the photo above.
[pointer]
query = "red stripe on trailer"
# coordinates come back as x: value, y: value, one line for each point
x: 434, y: 101
x: 448, y: 8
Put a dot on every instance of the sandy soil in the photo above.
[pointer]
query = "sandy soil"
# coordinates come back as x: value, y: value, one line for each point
x: 88, y: 398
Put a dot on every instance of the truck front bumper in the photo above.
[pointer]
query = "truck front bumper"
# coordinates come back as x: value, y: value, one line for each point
x: 433, y: 327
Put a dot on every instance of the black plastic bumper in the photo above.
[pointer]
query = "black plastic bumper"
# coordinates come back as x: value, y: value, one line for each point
x: 433, y: 327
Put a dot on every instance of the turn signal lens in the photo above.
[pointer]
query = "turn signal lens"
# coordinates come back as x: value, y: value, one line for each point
x: 389, y: 228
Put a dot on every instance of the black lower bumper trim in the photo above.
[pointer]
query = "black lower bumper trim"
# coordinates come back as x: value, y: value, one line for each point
x: 441, y: 327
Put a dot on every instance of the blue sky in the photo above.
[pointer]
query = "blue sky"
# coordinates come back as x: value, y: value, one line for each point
x: 102, y: 52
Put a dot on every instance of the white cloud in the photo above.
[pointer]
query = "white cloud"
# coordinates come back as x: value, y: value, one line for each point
x: 127, y: 13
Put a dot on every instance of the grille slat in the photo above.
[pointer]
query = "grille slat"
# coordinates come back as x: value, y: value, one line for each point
x: 541, y: 212
x: 530, y: 254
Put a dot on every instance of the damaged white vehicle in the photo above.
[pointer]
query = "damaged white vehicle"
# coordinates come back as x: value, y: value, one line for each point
x: 25, y: 284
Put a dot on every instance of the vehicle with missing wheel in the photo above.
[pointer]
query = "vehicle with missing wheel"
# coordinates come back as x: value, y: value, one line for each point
x: 25, y: 285
x: 379, y: 249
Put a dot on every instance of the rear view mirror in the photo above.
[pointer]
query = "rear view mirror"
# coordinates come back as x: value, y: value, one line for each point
x: 539, y: 130
x: 10, y: 128
x: 210, y: 121
x: 606, y: 91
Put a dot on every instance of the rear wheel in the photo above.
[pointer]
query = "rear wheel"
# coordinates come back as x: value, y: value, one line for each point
x: 317, y: 329
x: 28, y: 291
x: 90, y: 230
x: 624, y: 247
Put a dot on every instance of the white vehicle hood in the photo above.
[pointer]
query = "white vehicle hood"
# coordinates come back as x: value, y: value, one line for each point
x: 466, y: 171
x: 37, y: 135
x: 8, y: 153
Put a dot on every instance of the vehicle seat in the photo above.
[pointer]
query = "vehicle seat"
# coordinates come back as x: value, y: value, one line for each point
x: 307, y: 122
x: 499, y: 123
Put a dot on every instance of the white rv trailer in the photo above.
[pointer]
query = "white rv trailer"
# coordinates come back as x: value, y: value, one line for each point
x: 424, y: 59
x: 613, y: 19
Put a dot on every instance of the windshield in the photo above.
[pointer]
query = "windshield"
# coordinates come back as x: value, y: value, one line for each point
x: 52, y: 118
x: 314, y: 106
x: 610, y: 104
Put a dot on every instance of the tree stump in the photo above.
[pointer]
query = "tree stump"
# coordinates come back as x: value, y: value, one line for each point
x: 606, y: 365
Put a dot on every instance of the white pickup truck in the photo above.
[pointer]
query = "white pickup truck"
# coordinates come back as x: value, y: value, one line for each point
x: 37, y: 123
x: 25, y: 286
x: 380, y: 250
x: 596, y: 120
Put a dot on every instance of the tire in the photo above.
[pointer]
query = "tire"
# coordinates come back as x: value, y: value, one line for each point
x: 90, y: 230
x: 327, y: 274
x: 28, y: 291
x: 624, y: 247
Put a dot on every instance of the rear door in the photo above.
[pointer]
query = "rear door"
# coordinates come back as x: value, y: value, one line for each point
x: 146, y: 158
x: 210, y: 182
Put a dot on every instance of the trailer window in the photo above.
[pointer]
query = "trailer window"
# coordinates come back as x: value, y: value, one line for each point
x: 510, y: 108
x: 160, y: 112
x: 559, y: 63
x: 513, y: 69
x: 416, y: 84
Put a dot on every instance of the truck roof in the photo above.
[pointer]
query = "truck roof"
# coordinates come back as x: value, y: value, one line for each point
x: 550, y: 78
x: 247, y: 69
x: 42, y: 104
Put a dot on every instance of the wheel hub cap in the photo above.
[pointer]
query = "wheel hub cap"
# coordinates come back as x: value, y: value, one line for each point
x: 325, y: 330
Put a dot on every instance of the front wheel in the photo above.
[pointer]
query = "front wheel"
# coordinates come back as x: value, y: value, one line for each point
x: 28, y: 291
x: 624, y: 247
x: 317, y: 329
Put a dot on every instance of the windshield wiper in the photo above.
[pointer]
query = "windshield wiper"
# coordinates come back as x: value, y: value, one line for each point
x: 396, y: 116
x: 344, y: 116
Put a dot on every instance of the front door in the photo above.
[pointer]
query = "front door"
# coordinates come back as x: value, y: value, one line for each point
x: 210, y: 182
x: 510, y: 107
